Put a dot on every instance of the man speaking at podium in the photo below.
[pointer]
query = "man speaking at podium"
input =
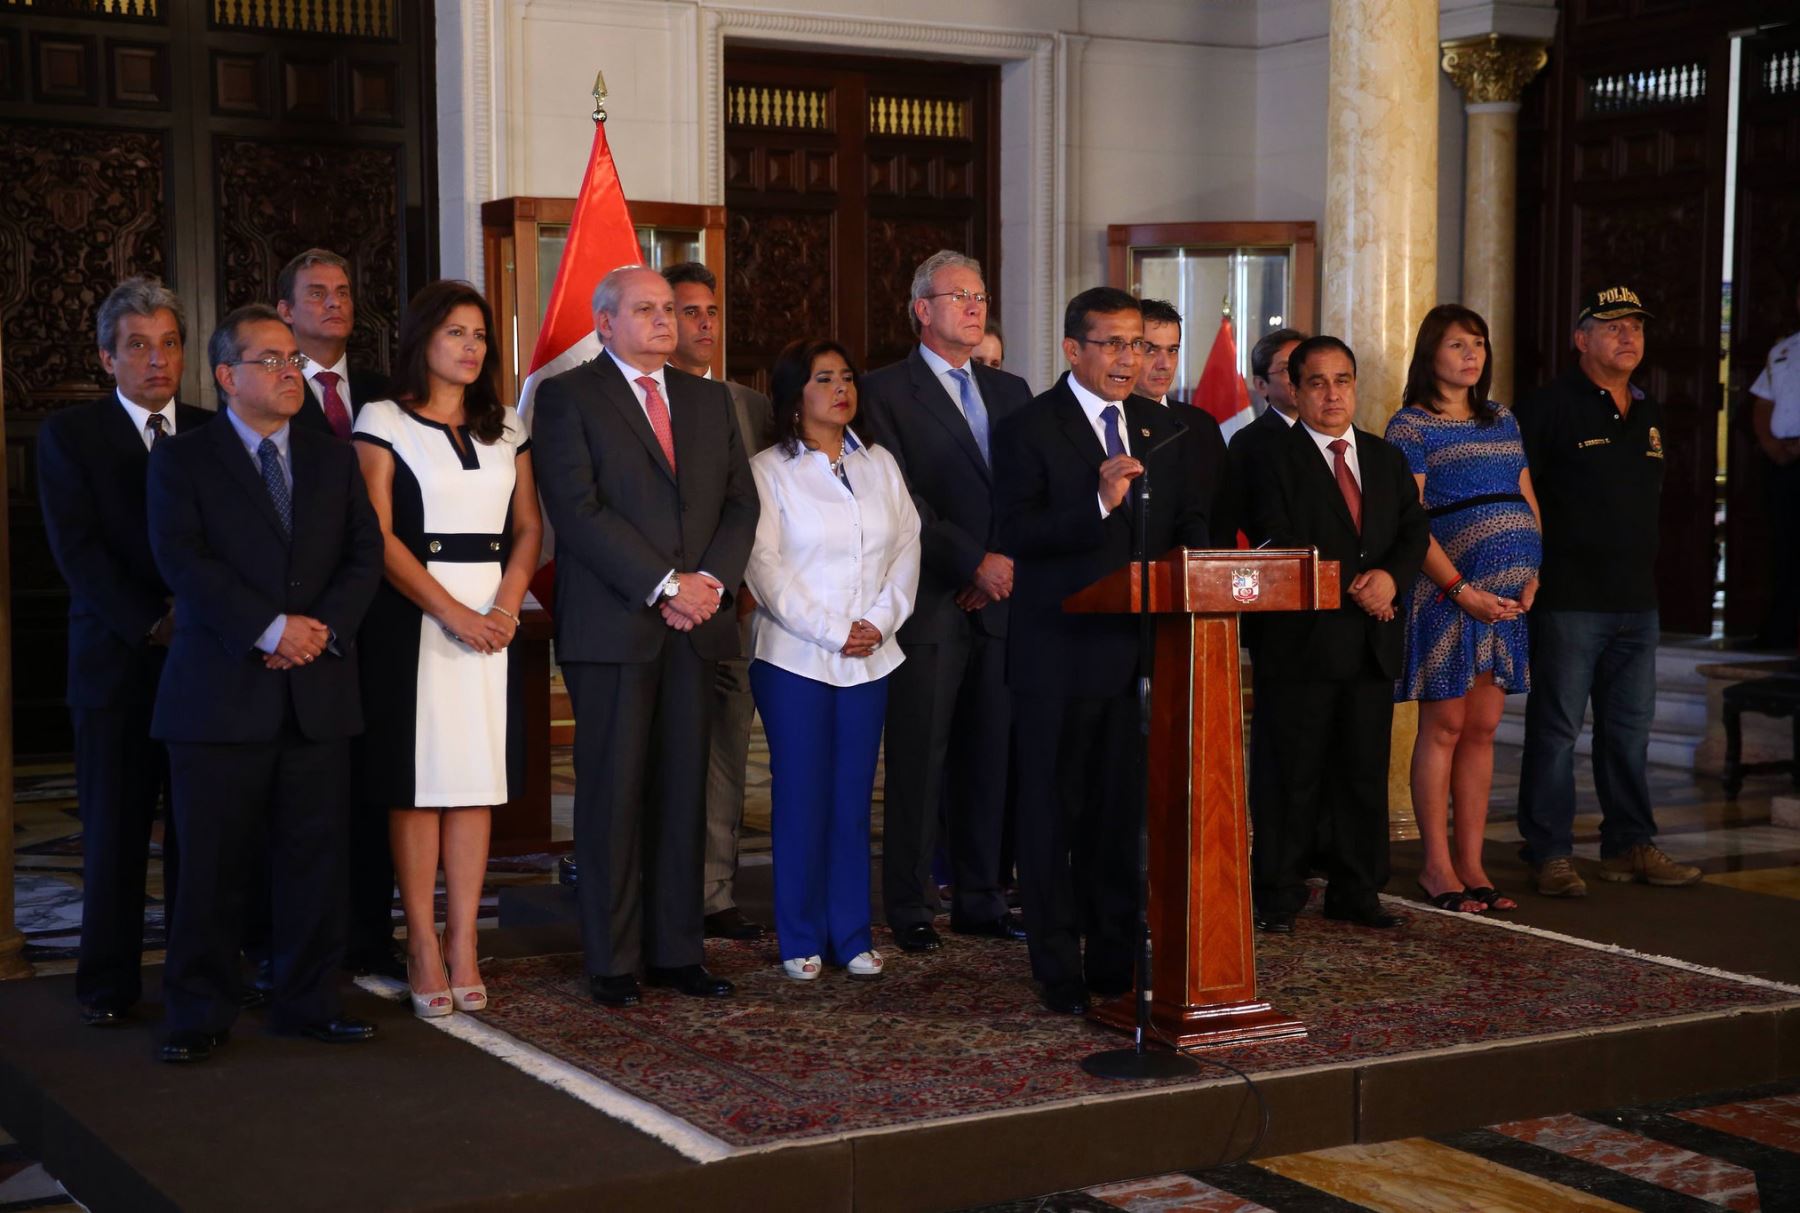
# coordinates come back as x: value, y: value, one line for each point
x: 1063, y: 472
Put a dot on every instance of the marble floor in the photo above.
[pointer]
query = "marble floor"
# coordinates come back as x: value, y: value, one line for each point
x: 1736, y: 1150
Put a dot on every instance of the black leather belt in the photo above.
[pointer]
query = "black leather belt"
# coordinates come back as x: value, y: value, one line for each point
x: 1470, y: 502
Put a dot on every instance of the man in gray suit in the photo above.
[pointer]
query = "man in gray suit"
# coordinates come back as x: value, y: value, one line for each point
x: 644, y: 477
x: 697, y: 334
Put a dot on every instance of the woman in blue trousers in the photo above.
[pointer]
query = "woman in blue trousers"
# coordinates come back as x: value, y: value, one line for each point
x: 834, y: 572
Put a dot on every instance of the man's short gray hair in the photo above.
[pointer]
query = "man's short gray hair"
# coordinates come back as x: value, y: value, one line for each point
x: 943, y: 259
x: 609, y: 292
x: 141, y: 295
x: 289, y: 278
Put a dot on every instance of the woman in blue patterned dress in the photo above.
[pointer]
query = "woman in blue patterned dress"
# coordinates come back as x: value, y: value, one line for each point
x: 1466, y: 639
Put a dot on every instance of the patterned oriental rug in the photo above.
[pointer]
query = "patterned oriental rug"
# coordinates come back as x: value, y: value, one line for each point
x: 959, y: 1033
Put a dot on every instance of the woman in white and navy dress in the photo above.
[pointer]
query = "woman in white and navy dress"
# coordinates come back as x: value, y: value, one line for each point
x: 835, y: 572
x: 448, y: 471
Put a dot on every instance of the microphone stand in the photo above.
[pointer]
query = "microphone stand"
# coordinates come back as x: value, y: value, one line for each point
x: 1138, y: 1061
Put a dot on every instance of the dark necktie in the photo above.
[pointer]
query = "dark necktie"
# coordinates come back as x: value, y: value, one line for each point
x: 155, y: 423
x: 335, y: 410
x: 276, y: 483
x: 1109, y: 418
x: 1347, y: 485
x: 974, y: 410
x: 658, y: 412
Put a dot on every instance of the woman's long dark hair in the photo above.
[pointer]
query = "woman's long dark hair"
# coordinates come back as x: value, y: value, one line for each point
x: 482, y: 410
x: 787, y: 380
x: 1421, y: 373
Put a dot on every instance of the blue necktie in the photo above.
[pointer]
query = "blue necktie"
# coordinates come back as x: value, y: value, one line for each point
x: 1109, y: 417
x: 277, y: 484
x: 974, y: 410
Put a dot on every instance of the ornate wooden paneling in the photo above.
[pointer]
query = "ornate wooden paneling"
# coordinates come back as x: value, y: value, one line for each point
x: 840, y: 176
x: 138, y: 75
x: 80, y: 208
x: 276, y: 198
x: 343, y: 18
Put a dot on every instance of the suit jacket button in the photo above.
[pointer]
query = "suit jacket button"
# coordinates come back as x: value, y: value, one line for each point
x: 293, y: 585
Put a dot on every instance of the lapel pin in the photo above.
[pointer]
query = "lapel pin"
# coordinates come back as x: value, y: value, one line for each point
x: 1145, y: 432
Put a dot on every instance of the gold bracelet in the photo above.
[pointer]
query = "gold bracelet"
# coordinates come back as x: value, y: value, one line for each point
x: 508, y: 614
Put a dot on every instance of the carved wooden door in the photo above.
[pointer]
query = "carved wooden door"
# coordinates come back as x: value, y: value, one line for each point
x: 841, y: 175
x: 1766, y: 253
x: 205, y: 143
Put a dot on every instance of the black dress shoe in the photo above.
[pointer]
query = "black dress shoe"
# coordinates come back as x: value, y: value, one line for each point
x: 620, y: 991
x: 692, y: 980
x: 920, y: 937
x: 1064, y: 997
x: 340, y: 1031
x: 191, y: 1045
x: 731, y: 924
x: 1275, y: 923
x: 1365, y: 916
x: 104, y: 1017
x: 1007, y: 926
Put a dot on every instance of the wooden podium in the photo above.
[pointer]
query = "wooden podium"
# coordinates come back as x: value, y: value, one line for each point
x: 1203, y: 966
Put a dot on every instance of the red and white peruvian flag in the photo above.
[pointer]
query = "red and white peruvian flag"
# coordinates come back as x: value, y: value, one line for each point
x: 1222, y: 391
x: 601, y: 239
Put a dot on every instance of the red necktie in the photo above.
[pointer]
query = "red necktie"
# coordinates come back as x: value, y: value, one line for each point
x: 659, y: 418
x: 1346, y: 482
x: 335, y: 411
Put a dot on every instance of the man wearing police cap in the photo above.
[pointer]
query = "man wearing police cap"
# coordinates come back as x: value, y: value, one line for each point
x: 1595, y: 444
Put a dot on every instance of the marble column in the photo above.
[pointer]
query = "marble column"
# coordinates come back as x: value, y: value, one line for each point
x: 12, y: 944
x: 1492, y: 72
x: 1380, y: 246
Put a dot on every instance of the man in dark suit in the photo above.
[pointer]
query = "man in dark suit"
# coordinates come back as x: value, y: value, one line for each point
x: 1063, y: 468
x: 948, y: 712
x: 644, y: 477
x: 91, y: 468
x: 313, y: 295
x: 1206, y: 448
x: 1325, y: 680
x: 266, y: 536
x: 697, y: 329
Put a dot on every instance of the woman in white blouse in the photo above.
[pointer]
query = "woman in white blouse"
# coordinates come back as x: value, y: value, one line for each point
x: 834, y: 573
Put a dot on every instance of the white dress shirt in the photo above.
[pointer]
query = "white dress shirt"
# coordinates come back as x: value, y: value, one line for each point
x: 1779, y: 384
x: 341, y: 368
x: 140, y: 416
x: 1324, y: 442
x: 826, y: 556
x: 1093, y: 406
x: 942, y: 368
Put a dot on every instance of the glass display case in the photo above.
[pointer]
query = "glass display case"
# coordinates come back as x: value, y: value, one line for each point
x: 1263, y: 272
x: 523, y: 240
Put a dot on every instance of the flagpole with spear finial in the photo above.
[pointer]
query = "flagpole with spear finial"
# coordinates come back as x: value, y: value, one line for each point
x: 599, y: 114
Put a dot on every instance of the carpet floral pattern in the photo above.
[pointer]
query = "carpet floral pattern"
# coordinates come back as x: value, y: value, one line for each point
x: 959, y: 1031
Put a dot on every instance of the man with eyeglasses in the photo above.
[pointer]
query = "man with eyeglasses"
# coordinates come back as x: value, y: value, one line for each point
x: 92, y: 460
x: 1594, y: 441
x: 1162, y: 359
x: 267, y: 538
x: 948, y: 712
x: 313, y: 296
x: 1063, y: 470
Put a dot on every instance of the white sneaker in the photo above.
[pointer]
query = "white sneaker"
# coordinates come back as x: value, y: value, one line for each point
x: 865, y: 966
x: 802, y: 968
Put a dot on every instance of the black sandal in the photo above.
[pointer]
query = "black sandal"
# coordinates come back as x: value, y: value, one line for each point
x: 1489, y: 896
x: 1452, y: 900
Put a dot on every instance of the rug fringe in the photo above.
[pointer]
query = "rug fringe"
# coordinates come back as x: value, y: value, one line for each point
x: 1488, y: 920
x: 680, y: 1136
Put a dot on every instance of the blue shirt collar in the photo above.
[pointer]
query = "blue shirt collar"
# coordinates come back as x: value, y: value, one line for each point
x: 252, y: 440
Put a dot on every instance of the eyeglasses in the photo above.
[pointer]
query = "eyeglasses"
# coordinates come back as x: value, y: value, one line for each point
x: 964, y: 298
x: 1118, y: 345
x: 275, y: 365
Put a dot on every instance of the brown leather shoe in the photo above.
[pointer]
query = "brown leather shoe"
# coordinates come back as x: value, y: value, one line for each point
x: 1648, y: 862
x: 1558, y: 878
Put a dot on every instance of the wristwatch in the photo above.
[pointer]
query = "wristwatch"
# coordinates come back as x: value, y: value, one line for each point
x: 672, y: 586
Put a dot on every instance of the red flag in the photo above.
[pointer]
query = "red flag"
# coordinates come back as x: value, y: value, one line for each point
x: 601, y: 239
x: 1222, y: 391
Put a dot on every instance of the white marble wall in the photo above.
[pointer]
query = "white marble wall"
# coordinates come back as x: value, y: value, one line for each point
x: 1112, y: 111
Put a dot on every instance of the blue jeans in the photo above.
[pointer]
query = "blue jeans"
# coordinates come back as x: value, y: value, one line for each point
x: 1610, y: 656
x: 823, y: 743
